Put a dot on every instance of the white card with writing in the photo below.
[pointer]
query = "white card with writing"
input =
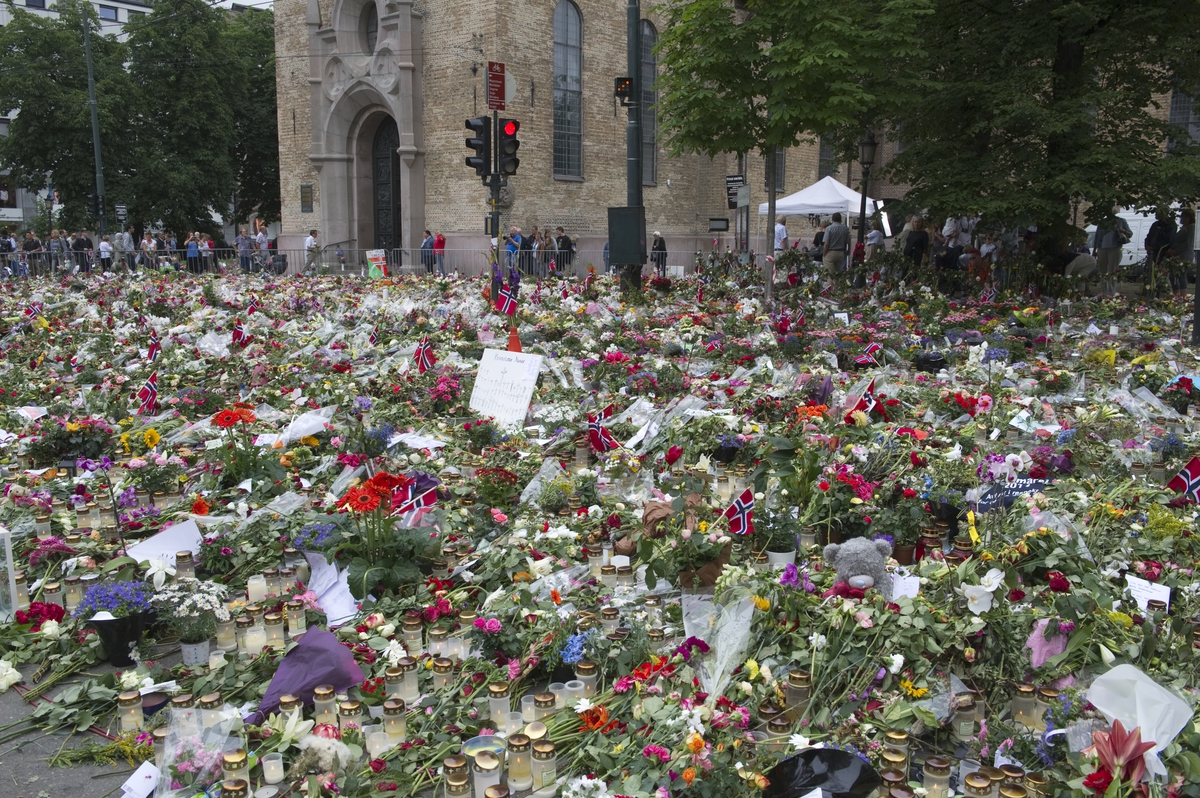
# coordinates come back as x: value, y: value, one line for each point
x: 504, y: 385
x: 142, y: 782
x: 903, y: 586
x: 1144, y: 591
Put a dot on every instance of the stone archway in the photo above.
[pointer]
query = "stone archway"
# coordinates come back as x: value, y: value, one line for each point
x: 385, y: 186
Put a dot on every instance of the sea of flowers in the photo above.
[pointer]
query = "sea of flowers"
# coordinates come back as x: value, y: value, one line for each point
x: 941, y: 541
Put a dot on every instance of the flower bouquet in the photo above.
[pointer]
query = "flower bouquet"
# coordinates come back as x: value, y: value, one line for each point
x: 55, y: 440
x: 192, y: 609
x: 117, y: 610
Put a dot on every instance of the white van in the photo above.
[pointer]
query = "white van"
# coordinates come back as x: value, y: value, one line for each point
x: 1139, y: 222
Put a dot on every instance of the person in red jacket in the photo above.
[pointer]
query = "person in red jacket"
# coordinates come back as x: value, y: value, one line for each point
x: 439, y: 252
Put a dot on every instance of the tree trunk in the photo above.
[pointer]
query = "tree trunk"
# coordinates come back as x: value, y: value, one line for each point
x: 1054, y: 233
x: 768, y: 269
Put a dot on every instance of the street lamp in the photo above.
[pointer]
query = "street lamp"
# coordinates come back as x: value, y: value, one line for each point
x: 866, y: 159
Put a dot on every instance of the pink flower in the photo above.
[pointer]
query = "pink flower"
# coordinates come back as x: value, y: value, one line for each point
x: 329, y: 731
x: 656, y: 751
x: 864, y: 620
x: 480, y: 623
x: 514, y: 669
x: 623, y: 684
x: 492, y: 626
x: 498, y: 516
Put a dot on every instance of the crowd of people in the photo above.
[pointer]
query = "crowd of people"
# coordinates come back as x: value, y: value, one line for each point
x: 537, y: 253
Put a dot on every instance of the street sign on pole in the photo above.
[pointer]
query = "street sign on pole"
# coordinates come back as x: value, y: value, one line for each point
x: 496, y: 86
x: 732, y: 183
x: 121, y: 212
x: 743, y: 196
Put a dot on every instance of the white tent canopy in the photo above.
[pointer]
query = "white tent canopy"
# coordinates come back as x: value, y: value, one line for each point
x: 824, y: 197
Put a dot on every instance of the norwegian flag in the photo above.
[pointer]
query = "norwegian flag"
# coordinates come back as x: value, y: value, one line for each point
x: 374, y: 339
x: 252, y: 308
x: 587, y: 281
x: 33, y: 309
x: 75, y: 365
x: 867, y: 402
x: 155, y: 347
x: 608, y: 411
x: 713, y: 346
x: 239, y: 332
x: 148, y: 396
x: 989, y: 294
x: 800, y: 320
x: 565, y: 293
x: 741, y: 513
x: 700, y: 294
x: 413, y: 510
x: 872, y: 348
x: 825, y: 291
x: 601, y: 439
x: 553, y: 267
x: 424, y: 356
x: 506, y: 303
x: 1187, y: 481
x: 865, y: 360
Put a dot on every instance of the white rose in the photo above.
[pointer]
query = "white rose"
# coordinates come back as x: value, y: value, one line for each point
x: 51, y: 629
x: 414, y: 458
x: 387, y: 630
x: 9, y: 675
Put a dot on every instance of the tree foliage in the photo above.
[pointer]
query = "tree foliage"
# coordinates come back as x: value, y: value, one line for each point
x: 1033, y: 105
x: 186, y: 106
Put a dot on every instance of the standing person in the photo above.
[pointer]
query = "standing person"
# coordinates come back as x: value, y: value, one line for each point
x: 118, y: 245
x: 901, y: 240
x: 33, y: 251
x: 263, y: 246
x: 1181, y: 247
x: 149, y: 251
x: 82, y: 248
x: 208, y: 252
x: 130, y: 249
x: 817, y: 251
x: 8, y: 251
x: 312, y: 251
x: 439, y: 252
x: 566, y: 249
x: 834, y: 245
x: 56, y: 249
x: 535, y: 252
x: 1110, y: 239
x: 427, y: 252
x: 245, y: 249
x: 916, y: 243
x: 781, y: 236
x: 106, y: 254
x: 512, y: 243
x: 1158, y: 239
x: 607, y: 263
x: 193, y: 253
x: 550, y: 250
x: 658, y: 254
x: 525, y: 253
x: 874, y: 240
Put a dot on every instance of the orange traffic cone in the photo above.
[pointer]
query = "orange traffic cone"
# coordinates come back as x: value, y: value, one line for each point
x: 514, y: 340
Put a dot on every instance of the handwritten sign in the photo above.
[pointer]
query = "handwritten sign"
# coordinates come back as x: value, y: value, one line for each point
x: 1002, y: 496
x: 166, y: 544
x: 504, y: 385
x: 1145, y: 591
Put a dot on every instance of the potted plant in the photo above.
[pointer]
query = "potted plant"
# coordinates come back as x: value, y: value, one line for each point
x: 192, y: 609
x: 775, y: 533
x: 118, y: 612
x: 661, y: 286
x: 901, y: 521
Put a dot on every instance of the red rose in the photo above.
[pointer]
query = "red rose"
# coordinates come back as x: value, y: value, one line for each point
x: 378, y: 766
x: 673, y: 454
x: 1058, y: 582
x: 909, y: 493
x: 387, y: 786
x: 1016, y: 595
x: 823, y: 485
x: 1098, y: 781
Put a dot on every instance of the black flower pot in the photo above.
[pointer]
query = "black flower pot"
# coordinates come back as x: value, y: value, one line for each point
x: 118, y: 635
x: 944, y: 511
x: 725, y: 454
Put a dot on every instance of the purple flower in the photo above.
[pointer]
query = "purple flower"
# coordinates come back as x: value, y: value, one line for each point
x: 790, y: 577
x: 685, y: 649
x: 1066, y: 627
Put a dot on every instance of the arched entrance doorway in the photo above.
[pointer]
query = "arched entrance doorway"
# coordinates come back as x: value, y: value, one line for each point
x: 385, y: 171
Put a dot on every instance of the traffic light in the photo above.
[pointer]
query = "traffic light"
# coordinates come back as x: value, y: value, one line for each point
x: 506, y: 158
x: 481, y: 144
x: 93, y: 203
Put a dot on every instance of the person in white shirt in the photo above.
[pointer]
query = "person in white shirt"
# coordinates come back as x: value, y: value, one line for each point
x: 106, y: 254
x: 966, y: 231
x: 311, y: 250
x: 874, y: 240
x: 260, y: 241
x: 781, y: 236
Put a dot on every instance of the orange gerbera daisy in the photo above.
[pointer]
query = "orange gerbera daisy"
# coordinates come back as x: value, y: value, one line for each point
x: 594, y: 719
x: 360, y: 499
x: 555, y: 597
x: 246, y: 415
x: 226, y: 418
x: 386, y: 483
x: 200, y: 507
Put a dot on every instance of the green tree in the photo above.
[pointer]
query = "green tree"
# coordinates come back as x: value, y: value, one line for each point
x: 256, y: 145
x: 43, y: 82
x: 1034, y: 105
x: 768, y: 73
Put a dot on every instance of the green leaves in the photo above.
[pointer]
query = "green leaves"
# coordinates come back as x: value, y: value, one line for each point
x: 364, y: 576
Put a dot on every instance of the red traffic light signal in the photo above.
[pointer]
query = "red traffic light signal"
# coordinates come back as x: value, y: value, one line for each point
x: 506, y: 153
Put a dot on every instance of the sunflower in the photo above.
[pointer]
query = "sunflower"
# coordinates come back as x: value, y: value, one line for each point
x: 151, y: 438
x: 360, y: 499
x: 226, y: 419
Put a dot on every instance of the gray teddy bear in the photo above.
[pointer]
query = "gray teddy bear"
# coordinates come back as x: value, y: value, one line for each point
x: 860, y: 557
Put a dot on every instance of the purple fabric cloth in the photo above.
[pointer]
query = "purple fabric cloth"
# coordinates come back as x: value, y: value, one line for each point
x: 316, y: 660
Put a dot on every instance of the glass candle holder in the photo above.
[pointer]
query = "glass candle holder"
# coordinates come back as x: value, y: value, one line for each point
x: 378, y: 744
x: 486, y: 771
x: 324, y: 705
x: 129, y: 707
x: 894, y: 760
x: 528, y: 708
x: 595, y: 561
x: 1045, y: 697
x: 256, y: 588
x: 1013, y: 774
x: 393, y: 680
x: 274, y: 585
x: 290, y: 705
x: 608, y: 576
x: 936, y: 777
x: 778, y: 730
x: 272, y: 765
x: 438, y: 636
x: 498, y: 700
x: 235, y: 765
x: 995, y: 776
x: 543, y: 766
x: 394, y: 721
x: 797, y: 694
x: 897, y: 741
x: 242, y: 624
x: 216, y: 660
x: 626, y: 576
x: 458, y: 786
x: 72, y: 593
x: 210, y: 710
x: 41, y: 526
x: 83, y: 518
x: 184, y: 712
x: 653, y: 607
x: 350, y: 716
x: 442, y: 673
x: 520, y: 776
x: 158, y: 500
x: 977, y: 785
x: 587, y: 673
x: 235, y: 788
x: 609, y: 616
x: 1024, y: 705
x: 576, y: 690
x: 297, y: 623
x: 255, y: 641
x: 52, y: 593
x: 160, y: 743
x: 559, y: 690
x: 227, y: 635
x: 964, y: 725
x: 411, y: 689
x: 185, y: 565
x: 274, y: 628
x: 513, y: 722
x: 543, y: 705
x: 287, y: 580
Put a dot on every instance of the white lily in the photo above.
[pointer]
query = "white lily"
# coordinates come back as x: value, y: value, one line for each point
x: 395, y: 652
x: 158, y: 571
x: 992, y: 580
x: 9, y: 675
x: 583, y: 705
x: 800, y: 742
x: 290, y: 728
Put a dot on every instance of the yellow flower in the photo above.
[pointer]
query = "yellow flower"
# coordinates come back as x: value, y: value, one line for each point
x: 695, y: 743
x: 752, y: 669
x: 72, y: 426
x: 703, y: 527
x: 151, y: 438
x: 1121, y: 618
x: 309, y: 440
x: 762, y: 604
x: 860, y: 418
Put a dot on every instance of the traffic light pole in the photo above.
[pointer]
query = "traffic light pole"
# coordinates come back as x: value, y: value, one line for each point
x: 91, y: 81
x: 631, y: 277
x: 495, y: 180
